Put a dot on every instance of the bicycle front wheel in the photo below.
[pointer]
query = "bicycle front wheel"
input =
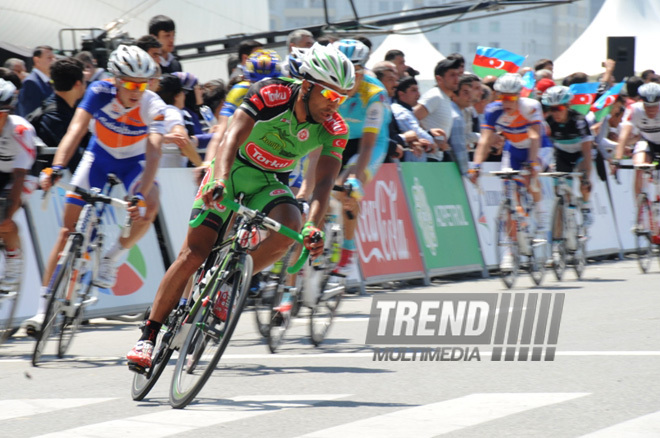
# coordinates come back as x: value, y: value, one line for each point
x: 507, y: 253
x: 69, y: 324
x: 57, y: 301
x: 209, y: 336
x: 643, y: 233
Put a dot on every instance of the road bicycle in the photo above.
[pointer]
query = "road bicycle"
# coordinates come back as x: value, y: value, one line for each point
x: 647, y: 218
x: 569, y: 234
x: 516, y: 232
x: 9, y: 294
x: 198, y: 333
x: 71, y: 289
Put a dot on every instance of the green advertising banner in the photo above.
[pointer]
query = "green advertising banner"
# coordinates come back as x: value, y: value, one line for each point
x: 441, y: 212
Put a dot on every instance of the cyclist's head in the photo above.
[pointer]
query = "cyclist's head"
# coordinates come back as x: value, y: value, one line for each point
x: 356, y: 51
x: 295, y: 61
x: 557, y: 99
x: 262, y: 64
x: 7, y: 96
x: 650, y: 95
x: 132, y: 68
x: 328, y: 75
x: 509, y: 86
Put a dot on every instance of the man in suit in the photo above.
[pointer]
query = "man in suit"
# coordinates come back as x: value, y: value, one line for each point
x: 36, y: 86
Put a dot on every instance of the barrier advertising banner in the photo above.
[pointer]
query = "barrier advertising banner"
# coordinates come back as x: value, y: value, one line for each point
x: 442, y: 217
x: 385, y: 237
x: 623, y: 200
x: 139, y: 272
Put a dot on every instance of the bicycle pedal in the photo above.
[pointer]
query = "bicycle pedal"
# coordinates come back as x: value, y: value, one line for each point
x: 137, y: 368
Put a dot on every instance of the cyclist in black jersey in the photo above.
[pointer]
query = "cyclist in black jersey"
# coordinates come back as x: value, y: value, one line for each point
x: 572, y: 138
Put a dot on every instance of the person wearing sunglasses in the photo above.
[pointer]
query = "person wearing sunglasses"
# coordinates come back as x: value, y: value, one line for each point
x: 572, y: 140
x: 279, y: 121
x: 520, y: 121
x: 18, y: 151
x: 642, y: 117
x: 126, y: 121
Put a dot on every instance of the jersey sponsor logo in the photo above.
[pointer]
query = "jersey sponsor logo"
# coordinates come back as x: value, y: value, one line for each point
x: 274, y: 141
x: 335, y: 125
x: 275, y: 95
x: 278, y: 192
x: 303, y: 135
x: 265, y: 159
x: 257, y: 102
x: 339, y: 143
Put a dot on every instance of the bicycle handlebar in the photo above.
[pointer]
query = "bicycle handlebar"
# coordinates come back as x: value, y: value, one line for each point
x: 269, y: 223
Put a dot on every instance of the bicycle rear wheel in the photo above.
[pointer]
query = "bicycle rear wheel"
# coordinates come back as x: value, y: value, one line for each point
x: 506, y: 244
x: 57, y: 301
x: 643, y: 233
x: 144, y: 381
x: 209, y: 336
x: 8, y: 305
x: 323, y: 314
x: 558, y: 247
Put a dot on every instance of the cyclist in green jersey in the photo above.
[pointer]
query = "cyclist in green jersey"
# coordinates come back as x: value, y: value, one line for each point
x: 279, y: 121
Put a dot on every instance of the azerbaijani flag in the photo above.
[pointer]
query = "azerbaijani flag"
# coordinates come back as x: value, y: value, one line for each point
x: 496, y: 62
x: 583, y: 96
x: 603, y: 105
x: 529, y: 82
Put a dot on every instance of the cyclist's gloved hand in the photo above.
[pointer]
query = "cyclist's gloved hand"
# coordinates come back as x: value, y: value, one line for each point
x: 138, y: 208
x: 473, y: 173
x: 213, y: 192
x: 49, y: 176
x: 313, y: 239
x: 357, y: 191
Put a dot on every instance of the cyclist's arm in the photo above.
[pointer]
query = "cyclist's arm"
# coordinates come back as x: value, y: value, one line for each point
x: 367, y: 144
x: 485, y: 140
x: 624, y: 136
x: 238, y: 132
x: 326, y: 172
x: 14, y: 198
x: 152, y: 157
x: 309, y: 179
x: 74, y: 134
x: 534, y: 133
x: 586, y: 157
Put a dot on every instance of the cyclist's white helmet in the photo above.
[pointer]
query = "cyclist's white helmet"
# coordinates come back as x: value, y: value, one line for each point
x: 509, y: 83
x: 131, y: 61
x: 354, y: 50
x: 557, y: 95
x: 650, y: 93
x: 327, y: 64
x: 7, y: 90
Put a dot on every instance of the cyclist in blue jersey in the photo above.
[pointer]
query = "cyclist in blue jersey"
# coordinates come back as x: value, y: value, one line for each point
x: 368, y: 115
x: 126, y: 121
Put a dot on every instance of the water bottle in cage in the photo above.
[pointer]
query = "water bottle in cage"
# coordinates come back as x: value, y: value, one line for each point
x: 251, y: 238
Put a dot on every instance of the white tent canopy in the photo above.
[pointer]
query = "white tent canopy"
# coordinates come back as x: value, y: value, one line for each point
x: 420, y: 53
x: 638, y: 18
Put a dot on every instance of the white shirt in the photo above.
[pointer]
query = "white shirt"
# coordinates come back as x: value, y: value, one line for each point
x: 171, y: 155
x: 438, y: 105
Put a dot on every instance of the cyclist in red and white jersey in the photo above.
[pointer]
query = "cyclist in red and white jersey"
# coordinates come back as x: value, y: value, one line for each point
x: 126, y: 121
x: 641, y: 118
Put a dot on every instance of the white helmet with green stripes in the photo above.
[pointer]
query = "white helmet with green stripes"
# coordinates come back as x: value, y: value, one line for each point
x: 327, y: 64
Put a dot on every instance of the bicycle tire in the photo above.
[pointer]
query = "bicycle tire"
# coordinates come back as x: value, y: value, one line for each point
x: 537, y: 259
x: 558, y: 248
x: 240, y: 269
x: 643, y: 233
x: 278, y: 323
x: 503, y: 239
x: 9, y: 300
x: 57, y: 298
x: 143, y: 383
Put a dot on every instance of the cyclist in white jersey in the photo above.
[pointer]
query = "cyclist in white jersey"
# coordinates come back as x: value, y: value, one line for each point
x: 17, y: 154
x: 641, y: 118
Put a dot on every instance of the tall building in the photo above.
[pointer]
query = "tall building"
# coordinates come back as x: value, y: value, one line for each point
x: 538, y: 33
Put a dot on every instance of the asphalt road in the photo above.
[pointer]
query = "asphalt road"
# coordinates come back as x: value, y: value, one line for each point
x: 604, y: 380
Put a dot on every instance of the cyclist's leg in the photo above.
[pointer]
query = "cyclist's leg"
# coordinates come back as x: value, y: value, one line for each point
x: 641, y: 155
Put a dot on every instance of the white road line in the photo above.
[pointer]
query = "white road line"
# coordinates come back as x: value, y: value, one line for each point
x: 174, y: 421
x: 444, y: 417
x: 335, y: 356
x: 644, y: 426
x: 29, y: 407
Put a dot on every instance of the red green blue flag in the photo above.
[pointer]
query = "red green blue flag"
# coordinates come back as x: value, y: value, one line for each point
x: 603, y: 105
x: 496, y: 62
x: 584, y: 96
x: 529, y: 82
